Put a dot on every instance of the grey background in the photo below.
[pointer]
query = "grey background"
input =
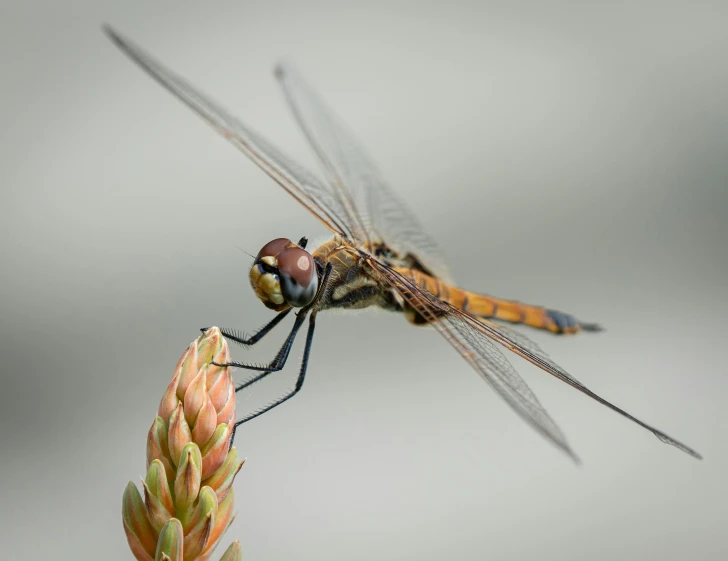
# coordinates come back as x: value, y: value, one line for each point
x: 570, y: 155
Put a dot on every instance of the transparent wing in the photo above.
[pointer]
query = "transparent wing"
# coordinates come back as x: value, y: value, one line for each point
x: 519, y: 338
x: 381, y: 214
x: 473, y: 339
x: 319, y: 198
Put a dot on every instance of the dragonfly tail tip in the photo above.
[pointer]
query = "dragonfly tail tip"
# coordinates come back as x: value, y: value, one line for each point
x: 592, y: 327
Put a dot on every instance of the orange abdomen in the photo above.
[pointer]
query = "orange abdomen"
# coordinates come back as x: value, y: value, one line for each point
x: 485, y: 306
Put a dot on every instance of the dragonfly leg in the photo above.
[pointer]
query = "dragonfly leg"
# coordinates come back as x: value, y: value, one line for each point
x: 230, y: 335
x: 304, y: 362
x: 278, y: 362
x: 299, y: 380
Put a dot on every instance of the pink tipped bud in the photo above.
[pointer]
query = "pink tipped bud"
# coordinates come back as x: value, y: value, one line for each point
x: 179, y: 434
x: 157, y: 445
x: 188, y: 369
x: 169, y: 399
x: 210, y: 345
x: 205, y: 424
x: 188, y: 499
x: 196, y: 396
x: 215, y: 451
x: 222, y: 480
x: 219, y: 389
x: 226, y: 414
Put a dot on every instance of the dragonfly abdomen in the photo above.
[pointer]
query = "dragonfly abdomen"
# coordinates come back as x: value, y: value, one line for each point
x: 516, y: 312
x: 485, y: 306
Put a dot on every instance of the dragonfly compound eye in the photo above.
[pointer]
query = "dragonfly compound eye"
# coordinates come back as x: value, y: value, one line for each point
x: 272, y: 249
x: 298, y: 278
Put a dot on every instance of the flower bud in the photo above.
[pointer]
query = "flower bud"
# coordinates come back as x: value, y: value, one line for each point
x: 195, y: 396
x: 170, y: 544
x: 215, y: 451
x: 224, y: 518
x: 140, y: 533
x: 205, y: 423
x: 158, y: 483
x: 188, y: 496
x: 187, y: 482
x: 179, y: 434
x: 198, y: 536
x: 223, y: 478
x: 207, y: 503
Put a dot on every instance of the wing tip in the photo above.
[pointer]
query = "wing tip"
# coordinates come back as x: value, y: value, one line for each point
x: 695, y: 454
x: 562, y: 444
x: 574, y: 458
x: 679, y: 445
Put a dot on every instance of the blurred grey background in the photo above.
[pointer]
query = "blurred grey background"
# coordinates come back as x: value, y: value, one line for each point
x: 563, y: 154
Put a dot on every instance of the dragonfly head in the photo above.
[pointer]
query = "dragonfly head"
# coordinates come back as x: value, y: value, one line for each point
x: 284, y: 275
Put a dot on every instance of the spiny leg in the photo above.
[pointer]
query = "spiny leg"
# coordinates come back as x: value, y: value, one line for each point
x: 296, y: 388
x: 306, y: 353
x: 279, y: 361
x: 253, y: 339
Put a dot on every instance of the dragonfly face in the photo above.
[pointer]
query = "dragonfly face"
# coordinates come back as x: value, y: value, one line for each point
x: 283, y: 275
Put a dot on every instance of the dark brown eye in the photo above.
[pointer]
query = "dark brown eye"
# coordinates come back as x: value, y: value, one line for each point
x: 272, y: 249
x: 298, y: 278
x: 297, y: 264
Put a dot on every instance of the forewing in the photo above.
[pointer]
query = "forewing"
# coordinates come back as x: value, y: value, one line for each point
x: 380, y: 215
x: 474, y: 341
x: 318, y: 197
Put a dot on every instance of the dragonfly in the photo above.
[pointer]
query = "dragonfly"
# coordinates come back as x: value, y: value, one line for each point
x: 379, y: 255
